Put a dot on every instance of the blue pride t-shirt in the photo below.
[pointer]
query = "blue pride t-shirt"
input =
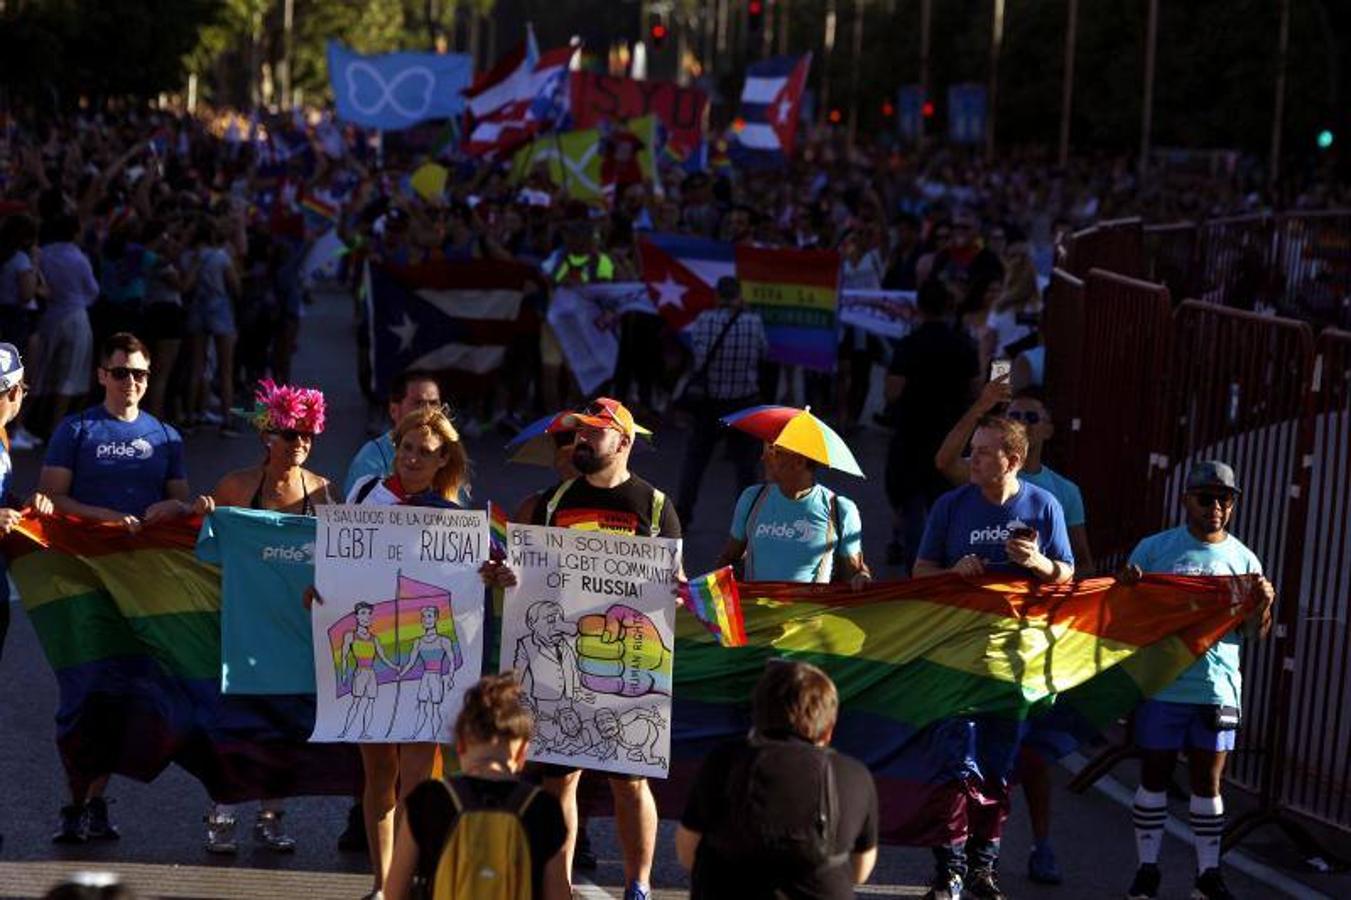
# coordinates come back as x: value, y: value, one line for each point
x: 963, y: 521
x: 115, y: 464
x: 1214, y: 679
x: 267, y: 561
x: 1064, y: 490
x: 795, y: 540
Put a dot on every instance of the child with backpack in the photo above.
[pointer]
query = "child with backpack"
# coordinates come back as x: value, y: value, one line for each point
x: 483, y: 833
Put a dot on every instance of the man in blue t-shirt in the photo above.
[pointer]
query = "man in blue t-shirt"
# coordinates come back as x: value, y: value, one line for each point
x: 1199, y: 712
x: 792, y: 529
x: 995, y: 523
x: 113, y: 463
x: 409, y: 392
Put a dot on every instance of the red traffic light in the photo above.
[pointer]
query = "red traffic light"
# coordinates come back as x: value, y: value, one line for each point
x: 659, y: 32
x: 835, y: 117
x: 756, y: 7
x: 887, y: 109
x: 927, y: 110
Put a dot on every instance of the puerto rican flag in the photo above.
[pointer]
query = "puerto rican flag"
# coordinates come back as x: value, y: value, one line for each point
x: 682, y: 272
x: 515, y: 100
x: 767, y: 127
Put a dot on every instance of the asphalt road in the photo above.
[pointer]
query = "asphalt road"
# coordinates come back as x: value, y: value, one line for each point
x: 161, y: 822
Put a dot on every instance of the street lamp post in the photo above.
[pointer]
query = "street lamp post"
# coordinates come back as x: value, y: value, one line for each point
x: 1067, y: 89
x: 1278, y: 118
x: 1147, y: 111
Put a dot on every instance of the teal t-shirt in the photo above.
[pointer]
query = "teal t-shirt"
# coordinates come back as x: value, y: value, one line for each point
x: 267, y: 561
x: 787, y: 540
x: 376, y: 457
x: 1214, y: 679
x: 1064, y: 490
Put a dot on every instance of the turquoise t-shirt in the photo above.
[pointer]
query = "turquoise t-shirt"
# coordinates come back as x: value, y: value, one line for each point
x: 788, y: 539
x: 1214, y: 679
x: 1064, y: 490
x: 376, y: 457
x: 267, y: 561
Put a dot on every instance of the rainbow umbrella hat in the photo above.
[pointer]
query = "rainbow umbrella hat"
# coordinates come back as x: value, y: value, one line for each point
x: 534, y: 445
x: 799, y: 431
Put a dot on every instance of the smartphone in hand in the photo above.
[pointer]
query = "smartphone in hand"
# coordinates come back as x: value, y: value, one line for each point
x: 1000, y: 368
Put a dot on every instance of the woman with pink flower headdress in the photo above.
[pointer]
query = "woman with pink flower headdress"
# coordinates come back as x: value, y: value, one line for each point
x: 287, y: 419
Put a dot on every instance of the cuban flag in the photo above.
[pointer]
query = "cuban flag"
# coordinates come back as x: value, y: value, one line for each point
x: 682, y: 272
x: 765, y: 131
x: 525, y: 93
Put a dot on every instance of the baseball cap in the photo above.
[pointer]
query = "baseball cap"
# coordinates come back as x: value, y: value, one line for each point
x: 605, y: 412
x: 1211, y: 474
x: 11, y: 366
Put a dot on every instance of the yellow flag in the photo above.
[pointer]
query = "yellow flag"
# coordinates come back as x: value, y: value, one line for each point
x: 429, y: 180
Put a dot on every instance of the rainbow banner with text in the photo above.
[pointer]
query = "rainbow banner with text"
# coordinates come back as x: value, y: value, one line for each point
x: 796, y: 293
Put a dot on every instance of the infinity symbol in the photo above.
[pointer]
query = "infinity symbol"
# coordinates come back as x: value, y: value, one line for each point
x: 388, y: 90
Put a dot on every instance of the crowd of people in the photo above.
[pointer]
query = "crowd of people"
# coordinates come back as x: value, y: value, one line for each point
x: 153, y: 263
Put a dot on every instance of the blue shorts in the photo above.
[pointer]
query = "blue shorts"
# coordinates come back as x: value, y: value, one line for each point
x: 1161, y: 725
x: 213, y: 316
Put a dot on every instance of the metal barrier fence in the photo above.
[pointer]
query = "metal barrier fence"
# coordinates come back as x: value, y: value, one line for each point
x: 1237, y: 392
x: 1212, y: 382
x: 1115, y: 245
x: 1294, y: 264
x: 1062, y: 327
x: 1126, y: 343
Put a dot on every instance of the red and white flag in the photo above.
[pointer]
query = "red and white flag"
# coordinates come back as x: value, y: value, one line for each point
x: 499, y: 102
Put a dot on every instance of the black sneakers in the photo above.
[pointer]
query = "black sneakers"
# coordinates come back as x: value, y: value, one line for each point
x: 1210, y: 886
x: 72, y: 827
x: 983, y: 884
x: 946, y: 886
x: 1146, y: 883
x: 97, y: 824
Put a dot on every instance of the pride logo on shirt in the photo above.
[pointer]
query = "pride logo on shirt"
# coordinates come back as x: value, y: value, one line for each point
x: 139, y: 448
x: 303, y: 554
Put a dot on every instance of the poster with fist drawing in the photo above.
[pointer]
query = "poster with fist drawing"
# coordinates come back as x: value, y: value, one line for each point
x: 589, y: 629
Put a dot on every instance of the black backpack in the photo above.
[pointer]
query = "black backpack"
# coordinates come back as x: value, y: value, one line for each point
x: 768, y: 827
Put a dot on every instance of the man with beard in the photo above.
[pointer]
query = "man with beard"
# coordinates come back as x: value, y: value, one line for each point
x: 606, y: 497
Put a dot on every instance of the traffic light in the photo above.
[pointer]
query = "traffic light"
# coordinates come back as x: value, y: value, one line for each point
x: 888, y: 110
x: 658, y: 33
x: 1325, y: 138
x: 927, y: 110
x: 755, y: 15
x: 835, y: 117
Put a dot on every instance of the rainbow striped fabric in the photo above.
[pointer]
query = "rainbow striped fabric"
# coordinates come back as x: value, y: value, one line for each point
x: 716, y: 603
x: 939, y: 678
x: 318, y: 213
x: 497, y: 531
x: 131, y: 627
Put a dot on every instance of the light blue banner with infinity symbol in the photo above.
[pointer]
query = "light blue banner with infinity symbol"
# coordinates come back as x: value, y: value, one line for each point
x: 396, y: 90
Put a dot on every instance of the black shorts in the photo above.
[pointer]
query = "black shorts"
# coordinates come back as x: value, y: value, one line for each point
x: 162, y: 322
x: 554, y: 770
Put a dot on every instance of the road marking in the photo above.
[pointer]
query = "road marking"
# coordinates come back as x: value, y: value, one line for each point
x: 1236, y: 859
x: 220, y: 882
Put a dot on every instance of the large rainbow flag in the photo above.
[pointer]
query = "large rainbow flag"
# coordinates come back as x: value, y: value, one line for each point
x: 131, y: 626
x: 939, y: 678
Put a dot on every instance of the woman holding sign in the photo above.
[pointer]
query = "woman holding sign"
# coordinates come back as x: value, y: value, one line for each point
x: 287, y: 419
x: 431, y: 468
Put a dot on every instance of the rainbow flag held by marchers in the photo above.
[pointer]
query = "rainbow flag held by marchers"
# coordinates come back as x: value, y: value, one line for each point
x: 715, y: 602
x: 497, y: 531
x: 131, y: 627
x: 939, y: 678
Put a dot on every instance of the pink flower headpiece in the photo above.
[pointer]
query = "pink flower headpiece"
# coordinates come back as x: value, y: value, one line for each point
x: 286, y: 408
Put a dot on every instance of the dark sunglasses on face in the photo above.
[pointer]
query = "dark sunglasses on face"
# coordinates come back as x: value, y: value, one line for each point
x: 1207, y: 500
x: 122, y: 373
x: 291, y: 435
x: 1028, y: 417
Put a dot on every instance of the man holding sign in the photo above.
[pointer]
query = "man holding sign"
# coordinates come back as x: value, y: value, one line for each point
x: 618, y: 652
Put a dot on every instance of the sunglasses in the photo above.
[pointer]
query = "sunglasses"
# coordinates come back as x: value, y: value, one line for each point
x: 1027, y: 417
x: 292, y: 435
x: 122, y: 373
x: 1207, y: 499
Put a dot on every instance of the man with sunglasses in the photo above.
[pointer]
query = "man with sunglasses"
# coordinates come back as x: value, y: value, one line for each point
x: 113, y: 463
x: 605, y: 497
x: 1199, y: 712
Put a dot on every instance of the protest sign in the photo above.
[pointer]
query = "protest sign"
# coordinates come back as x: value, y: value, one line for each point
x: 796, y: 293
x: 589, y: 627
x: 585, y: 318
x: 889, y: 314
x: 597, y: 99
x: 398, y: 638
